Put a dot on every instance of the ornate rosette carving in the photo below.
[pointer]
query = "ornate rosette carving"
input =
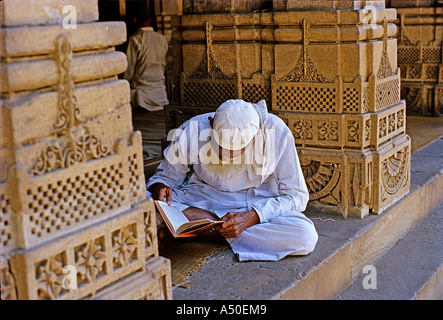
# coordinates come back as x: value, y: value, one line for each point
x: 321, y: 178
x: 394, y: 171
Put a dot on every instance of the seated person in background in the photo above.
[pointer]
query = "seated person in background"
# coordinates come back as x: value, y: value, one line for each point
x: 146, y: 55
x: 239, y: 165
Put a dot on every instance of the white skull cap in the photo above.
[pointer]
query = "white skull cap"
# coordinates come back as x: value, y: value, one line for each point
x: 236, y: 122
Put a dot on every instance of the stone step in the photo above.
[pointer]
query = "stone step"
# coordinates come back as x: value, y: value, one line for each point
x: 412, y: 269
x: 344, y: 248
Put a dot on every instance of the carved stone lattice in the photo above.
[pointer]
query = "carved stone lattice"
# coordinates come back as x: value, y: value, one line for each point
x: 74, y: 218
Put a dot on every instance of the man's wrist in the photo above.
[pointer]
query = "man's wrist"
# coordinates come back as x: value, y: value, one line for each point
x: 255, y: 218
x: 258, y: 213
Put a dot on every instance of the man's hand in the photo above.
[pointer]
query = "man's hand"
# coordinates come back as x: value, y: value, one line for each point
x: 161, y: 191
x: 236, y: 222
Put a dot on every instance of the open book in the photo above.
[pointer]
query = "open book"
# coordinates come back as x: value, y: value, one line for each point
x: 179, y: 225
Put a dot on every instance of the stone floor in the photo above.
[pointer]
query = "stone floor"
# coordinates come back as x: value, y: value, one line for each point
x: 423, y: 130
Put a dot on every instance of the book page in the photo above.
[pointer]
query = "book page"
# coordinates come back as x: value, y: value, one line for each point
x: 175, y: 216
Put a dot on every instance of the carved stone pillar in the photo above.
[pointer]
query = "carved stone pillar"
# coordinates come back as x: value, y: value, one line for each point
x: 420, y: 36
x: 329, y: 70
x: 75, y: 223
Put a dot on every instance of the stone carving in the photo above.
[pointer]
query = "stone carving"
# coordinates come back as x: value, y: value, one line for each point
x: 66, y: 101
x: 385, y: 69
x: 419, y: 56
x: 90, y: 260
x: 356, y: 185
x: 394, y: 171
x: 353, y: 131
x: 124, y: 247
x: 305, y: 70
x: 49, y: 276
x: 321, y: 178
x: 5, y: 221
x: 302, y: 129
x: 403, y: 39
x: 80, y: 149
x: 77, y: 149
x: 208, y: 68
x: 328, y: 131
x: 7, y: 281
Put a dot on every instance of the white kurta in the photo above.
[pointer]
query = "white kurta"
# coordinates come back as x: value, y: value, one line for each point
x: 273, y: 186
x: 146, y: 55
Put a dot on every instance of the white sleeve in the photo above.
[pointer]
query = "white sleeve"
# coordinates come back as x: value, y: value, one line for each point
x: 175, y: 166
x: 293, y: 193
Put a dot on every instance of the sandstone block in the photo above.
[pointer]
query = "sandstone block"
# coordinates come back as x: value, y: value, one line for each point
x: 45, y: 12
x: 92, y: 139
x: 141, y: 286
x: 345, y: 131
x: 56, y: 196
x: 72, y: 185
x: 411, y: 3
x: 26, y: 75
x: 221, y: 6
x: 25, y: 41
x: 40, y: 110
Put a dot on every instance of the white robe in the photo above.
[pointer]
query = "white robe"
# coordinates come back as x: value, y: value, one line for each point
x: 273, y: 186
x: 146, y: 56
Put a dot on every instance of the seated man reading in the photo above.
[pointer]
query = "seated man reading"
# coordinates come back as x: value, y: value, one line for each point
x: 239, y: 165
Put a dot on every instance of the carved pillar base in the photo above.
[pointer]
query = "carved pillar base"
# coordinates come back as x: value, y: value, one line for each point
x: 355, y: 183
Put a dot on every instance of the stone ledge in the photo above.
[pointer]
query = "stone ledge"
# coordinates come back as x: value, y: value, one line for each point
x: 397, y: 276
